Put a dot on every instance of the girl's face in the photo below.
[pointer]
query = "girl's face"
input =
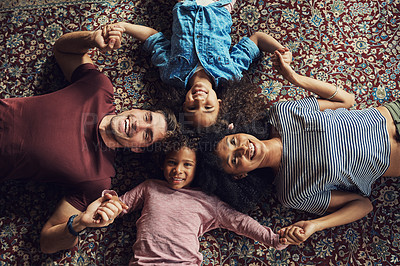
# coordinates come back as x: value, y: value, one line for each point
x: 201, y: 105
x: 240, y: 154
x: 179, y: 168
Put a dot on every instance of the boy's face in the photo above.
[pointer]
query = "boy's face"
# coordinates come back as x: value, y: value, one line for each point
x: 201, y: 105
x: 179, y: 168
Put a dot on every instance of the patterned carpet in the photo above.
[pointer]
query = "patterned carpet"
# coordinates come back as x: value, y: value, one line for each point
x: 354, y: 43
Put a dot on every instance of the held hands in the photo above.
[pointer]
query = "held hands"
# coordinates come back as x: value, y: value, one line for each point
x: 102, y: 211
x: 283, y: 67
x: 286, y: 55
x: 297, y: 233
x: 108, y: 38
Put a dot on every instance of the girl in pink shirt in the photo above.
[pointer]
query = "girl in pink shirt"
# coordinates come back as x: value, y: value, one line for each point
x: 175, y: 213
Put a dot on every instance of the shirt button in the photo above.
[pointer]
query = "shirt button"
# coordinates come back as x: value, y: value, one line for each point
x: 198, y: 36
x: 198, y: 20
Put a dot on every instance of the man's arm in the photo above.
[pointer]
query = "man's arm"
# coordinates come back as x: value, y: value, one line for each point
x: 346, y: 207
x: 71, y: 49
x: 55, y: 235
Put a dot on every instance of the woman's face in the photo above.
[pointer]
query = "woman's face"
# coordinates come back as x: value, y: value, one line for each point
x: 240, y: 154
x: 201, y: 105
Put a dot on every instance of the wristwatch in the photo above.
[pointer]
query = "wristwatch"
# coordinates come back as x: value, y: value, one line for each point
x: 71, y: 229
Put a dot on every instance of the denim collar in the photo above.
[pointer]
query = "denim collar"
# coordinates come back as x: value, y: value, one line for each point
x: 192, y: 3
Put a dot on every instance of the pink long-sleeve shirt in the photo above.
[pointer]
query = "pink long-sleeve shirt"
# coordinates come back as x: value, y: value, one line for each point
x: 172, y: 221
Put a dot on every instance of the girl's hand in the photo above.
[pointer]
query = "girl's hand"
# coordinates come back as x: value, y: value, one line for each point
x: 102, y: 211
x: 299, y: 232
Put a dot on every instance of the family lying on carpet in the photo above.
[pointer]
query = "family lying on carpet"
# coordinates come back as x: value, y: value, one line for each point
x: 70, y: 137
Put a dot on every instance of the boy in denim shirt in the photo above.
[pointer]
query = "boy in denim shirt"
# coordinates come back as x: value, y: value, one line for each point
x: 198, y: 56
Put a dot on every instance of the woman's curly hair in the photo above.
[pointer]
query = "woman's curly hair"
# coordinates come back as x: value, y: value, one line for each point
x: 242, y: 194
x: 241, y: 102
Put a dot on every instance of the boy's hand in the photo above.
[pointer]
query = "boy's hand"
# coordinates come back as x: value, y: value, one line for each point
x: 286, y: 56
x: 108, y: 38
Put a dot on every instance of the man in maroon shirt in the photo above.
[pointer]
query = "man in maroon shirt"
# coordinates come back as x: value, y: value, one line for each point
x: 69, y: 136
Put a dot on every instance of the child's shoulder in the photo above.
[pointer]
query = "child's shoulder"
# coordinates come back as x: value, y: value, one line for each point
x: 153, y: 183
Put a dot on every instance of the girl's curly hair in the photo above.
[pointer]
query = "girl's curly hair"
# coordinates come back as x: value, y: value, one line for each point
x: 174, y: 143
x: 241, y: 194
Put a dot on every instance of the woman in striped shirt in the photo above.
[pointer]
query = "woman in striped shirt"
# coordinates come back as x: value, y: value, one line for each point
x: 323, y: 156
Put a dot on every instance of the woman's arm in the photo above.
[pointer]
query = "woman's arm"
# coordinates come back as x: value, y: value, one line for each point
x: 346, y: 207
x: 332, y: 97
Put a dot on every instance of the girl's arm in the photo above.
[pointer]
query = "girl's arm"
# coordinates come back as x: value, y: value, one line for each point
x: 243, y: 224
x: 347, y: 207
x: 332, y: 97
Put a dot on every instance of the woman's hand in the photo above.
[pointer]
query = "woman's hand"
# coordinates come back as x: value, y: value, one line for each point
x: 280, y: 61
x: 286, y: 55
x: 299, y: 232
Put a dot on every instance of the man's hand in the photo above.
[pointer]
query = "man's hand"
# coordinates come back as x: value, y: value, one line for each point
x: 108, y: 38
x: 102, y: 211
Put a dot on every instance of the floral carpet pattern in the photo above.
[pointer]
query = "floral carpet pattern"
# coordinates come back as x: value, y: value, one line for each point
x: 353, y: 43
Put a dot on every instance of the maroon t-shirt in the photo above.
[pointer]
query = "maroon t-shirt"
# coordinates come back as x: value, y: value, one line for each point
x: 55, y: 138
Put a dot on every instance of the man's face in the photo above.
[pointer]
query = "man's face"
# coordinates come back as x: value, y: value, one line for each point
x: 138, y: 128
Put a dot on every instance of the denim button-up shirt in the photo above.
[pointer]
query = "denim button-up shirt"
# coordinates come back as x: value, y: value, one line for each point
x: 200, y: 34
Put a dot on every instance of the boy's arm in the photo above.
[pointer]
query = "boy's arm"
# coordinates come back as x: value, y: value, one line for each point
x: 267, y: 43
x: 136, y: 31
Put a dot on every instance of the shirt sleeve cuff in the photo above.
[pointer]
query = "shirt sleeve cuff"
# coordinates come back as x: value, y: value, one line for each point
x: 275, y: 241
x: 152, y: 40
x: 252, y: 48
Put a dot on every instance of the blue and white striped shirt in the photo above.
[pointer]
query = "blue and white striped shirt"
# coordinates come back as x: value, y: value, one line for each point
x: 327, y: 150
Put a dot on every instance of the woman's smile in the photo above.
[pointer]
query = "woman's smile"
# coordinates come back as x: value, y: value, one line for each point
x: 240, y: 153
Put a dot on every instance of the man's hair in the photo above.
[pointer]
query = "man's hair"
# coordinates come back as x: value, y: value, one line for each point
x: 172, y: 126
x: 170, y: 119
